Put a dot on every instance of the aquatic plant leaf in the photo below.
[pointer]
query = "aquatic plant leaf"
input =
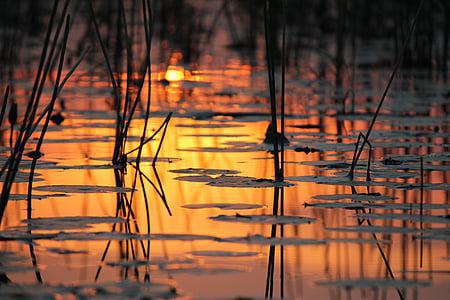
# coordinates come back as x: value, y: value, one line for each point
x: 373, y: 229
x: 355, y: 197
x: 7, y: 257
x: 82, y: 189
x: 263, y: 219
x: 123, y: 290
x: 158, y: 261
x: 15, y: 235
x: 15, y: 269
x: 261, y: 240
x: 100, y: 236
x: 356, y: 241
x: 222, y: 149
x: 374, y: 283
x: 332, y: 180
x: 62, y: 251
x: 244, y: 181
x: 142, y: 160
x: 61, y: 223
x: 211, y: 253
x: 389, y: 206
x: 374, y: 173
x: 78, y: 167
x: 195, y: 178
x: 224, y: 206
x: 209, y: 125
x: 203, y: 270
x: 202, y: 171
x: 180, y: 237
x: 215, y: 135
x: 21, y: 197
x: 89, y: 139
x: 344, y: 205
x: 406, y: 217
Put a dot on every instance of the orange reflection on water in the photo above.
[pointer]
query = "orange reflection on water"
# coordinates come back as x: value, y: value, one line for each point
x: 174, y: 74
x: 304, y: 265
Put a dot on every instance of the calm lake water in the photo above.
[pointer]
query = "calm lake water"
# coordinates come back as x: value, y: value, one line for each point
x: 201, y: 247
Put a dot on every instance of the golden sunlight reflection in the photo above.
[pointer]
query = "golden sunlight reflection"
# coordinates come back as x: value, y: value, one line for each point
x: 174, y: 74
x: 197, y: 143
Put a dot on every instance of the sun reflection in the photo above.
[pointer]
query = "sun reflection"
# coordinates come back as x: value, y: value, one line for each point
x: 174, y: 74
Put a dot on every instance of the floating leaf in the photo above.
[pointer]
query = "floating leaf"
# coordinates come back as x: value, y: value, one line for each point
x: 374, y: 229
x: 355, y: 197
x: 406, y: 217
x: 82, y: 189
x: 78, y: 167
x: 390, y: 206
x: 223, y: 253
x: 234, y: 181
x: 195, y: 178
x: 374, y: 283
x: 62, y: 251
x: 209, y: 125
x: 152, y: 261
x: 261, y: 240
x: 222, y: 149
x: 143, y: 159
x: 216, y: 135
x: 243, y: 181
x: 181, y: 237
x: 202, y: 270
x: 224, y: 206
x: 124, y: 289
x: 20, y: 197
x: 203, y: 171
x: 15, y: 235
x: 61, y: 223
x: 264, y: 219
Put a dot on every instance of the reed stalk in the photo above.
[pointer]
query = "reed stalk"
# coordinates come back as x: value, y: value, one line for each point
x: 37, y: 152
x: 398, y: 63
x: 4, y: 103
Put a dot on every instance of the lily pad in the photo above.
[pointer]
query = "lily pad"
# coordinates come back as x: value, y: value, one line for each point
x: 61, y: 223
x: 355, y: 197
x: 407, y: 217
x: 374, y: 283
x: 82, y: 189
x: 209, y: 125
x: 223, y: 253
x: 264, y: 219
x: 203, y: 171
x: 261, y: 240
x: 161, y: 262
x: 243, y: 181
x: 224, y: 206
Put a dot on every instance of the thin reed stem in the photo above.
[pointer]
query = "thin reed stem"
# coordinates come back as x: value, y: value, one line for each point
x: 283, y: 86
x: 421, y: 211
x: 37, y: 151
x: 391, y: 79
x: 4, y: 103
x: 271, y: 76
